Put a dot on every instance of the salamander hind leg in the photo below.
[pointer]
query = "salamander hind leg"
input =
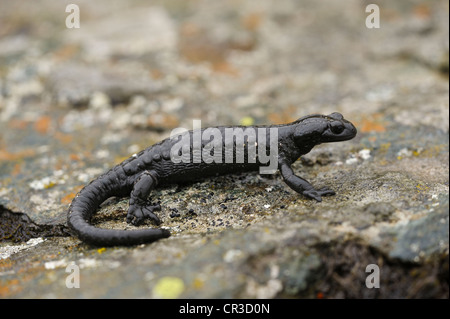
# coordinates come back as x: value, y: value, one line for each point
x: 140, y: 207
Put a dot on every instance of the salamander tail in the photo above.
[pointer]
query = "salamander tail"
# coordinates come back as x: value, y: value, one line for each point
x: 111, y: 237
x: 85, y: 205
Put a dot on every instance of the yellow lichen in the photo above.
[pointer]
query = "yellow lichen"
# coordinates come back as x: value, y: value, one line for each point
x: 168, y: 287
x: 247, y: 121
x: 198, y: 283
x: 50, y: 184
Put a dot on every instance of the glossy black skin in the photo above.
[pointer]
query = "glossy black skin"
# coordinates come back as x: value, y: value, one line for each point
x: 138, y: 175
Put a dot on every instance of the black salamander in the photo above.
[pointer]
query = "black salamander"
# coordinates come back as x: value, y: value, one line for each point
x: 138, y: 175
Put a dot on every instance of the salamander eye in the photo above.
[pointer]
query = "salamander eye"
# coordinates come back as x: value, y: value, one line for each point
x: 336, y: 127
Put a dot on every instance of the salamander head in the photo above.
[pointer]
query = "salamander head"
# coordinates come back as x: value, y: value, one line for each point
x: 317, y: 129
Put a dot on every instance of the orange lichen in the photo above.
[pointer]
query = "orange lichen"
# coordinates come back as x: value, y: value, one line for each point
x: 252, y: 21
x: 422, y: 11
x: 66, y: 52
x: 285, y: 116
x: 372, y: 123
x: 225, y: 67
x: 18, y: 124
x: 74, y: 157
x: 156, y: 74
x: 42, y: 125
x: 63, y: 138
x: 11, y: 286
x: 7, y: 156
x: 169, y: 120
x: 69, y: 197
x: 196, y: 47
x: 16, y: 170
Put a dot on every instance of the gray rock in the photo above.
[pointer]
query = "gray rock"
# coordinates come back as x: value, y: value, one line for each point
x: 75, y: 102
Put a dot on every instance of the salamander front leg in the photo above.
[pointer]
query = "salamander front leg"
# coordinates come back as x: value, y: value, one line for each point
x: 302, y: 186
x: 139, y: 206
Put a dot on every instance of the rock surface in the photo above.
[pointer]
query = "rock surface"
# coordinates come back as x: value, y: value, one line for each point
x: 75, y: 102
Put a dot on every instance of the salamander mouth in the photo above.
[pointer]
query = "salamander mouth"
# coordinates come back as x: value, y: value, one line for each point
x: 351, y: 130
